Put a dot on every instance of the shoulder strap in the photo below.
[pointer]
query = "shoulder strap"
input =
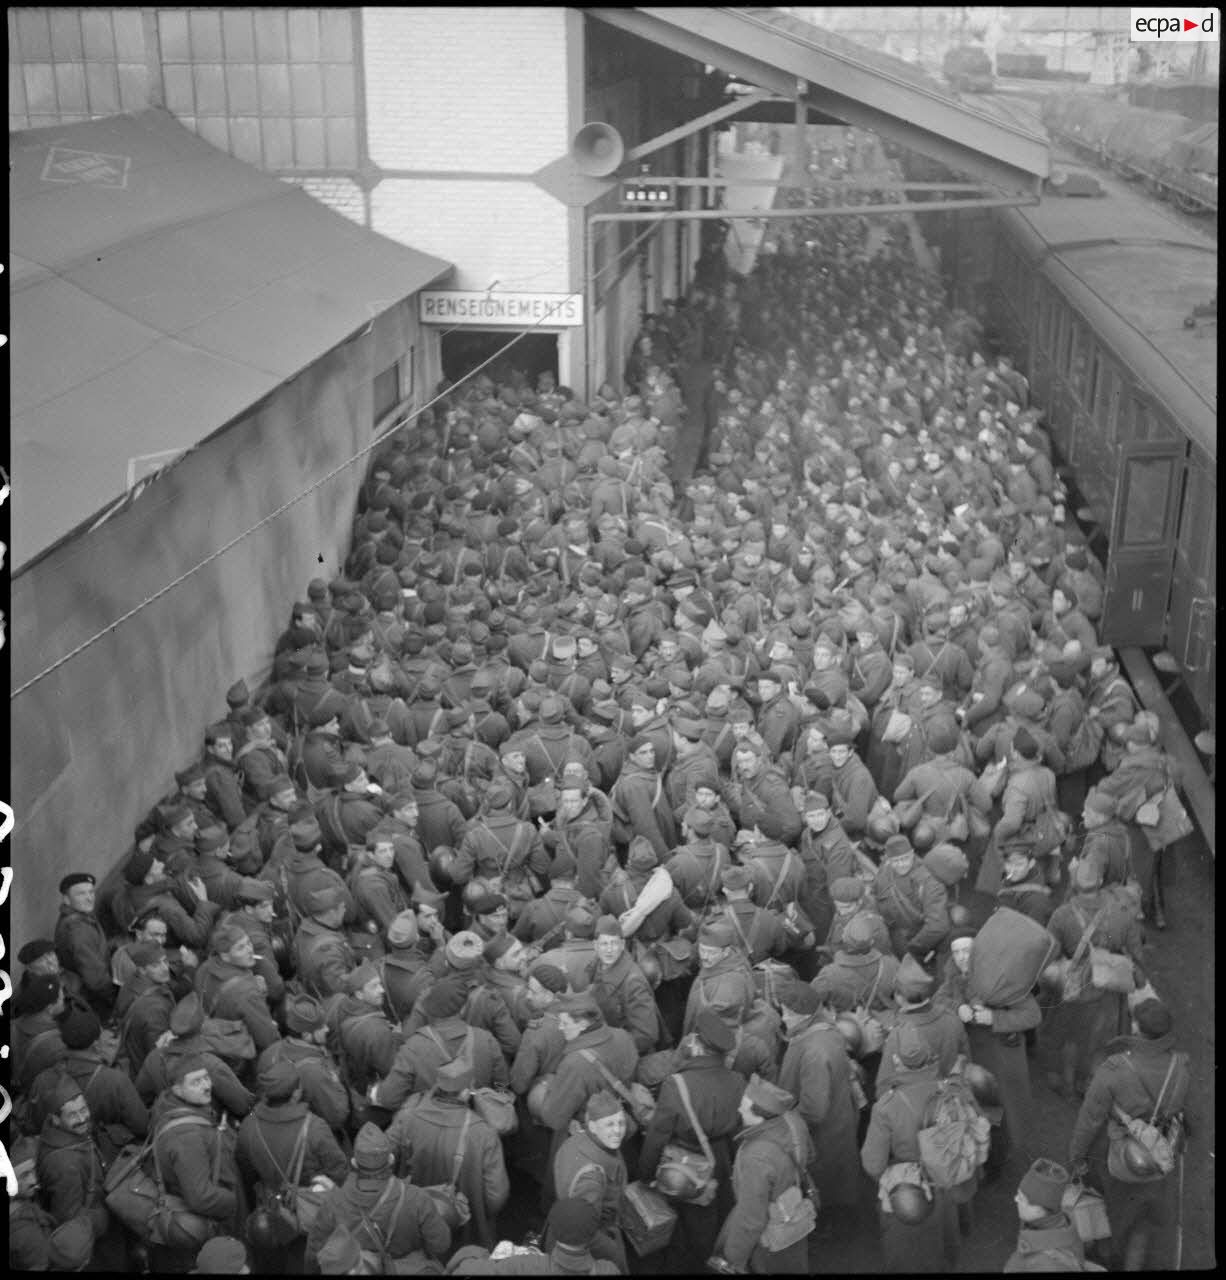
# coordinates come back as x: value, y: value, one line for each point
x: 580, y: 1171
x: 872, y: 991
x: 177, y: 1122
x: 784, y: 867
x: 1170, y: 1071
x: 684, y: 1090
x: 458, y: 1163
x: 610, y: 1079
x: 368, y: 1219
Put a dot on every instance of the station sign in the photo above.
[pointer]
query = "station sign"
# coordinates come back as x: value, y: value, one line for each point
x: 478, y: 310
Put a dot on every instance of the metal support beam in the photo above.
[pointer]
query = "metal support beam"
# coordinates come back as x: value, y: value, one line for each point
x: 765, y: 215
x: 729, y: 109
x: 800, y: 138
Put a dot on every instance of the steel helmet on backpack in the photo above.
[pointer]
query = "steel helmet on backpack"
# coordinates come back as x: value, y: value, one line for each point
x: 441, y: 862
x: 909, y: 1203
x: 535, y: 1101
x: 982, y: 1084
x: 881, y: 827
x: 674, y: 1180
x: 851, y: 1033
x: 923, y: 836
x: 1139, y: 1162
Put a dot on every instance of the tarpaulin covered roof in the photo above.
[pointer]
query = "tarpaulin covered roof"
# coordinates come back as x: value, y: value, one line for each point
x: 1197, y: 150
x: 160, y: 288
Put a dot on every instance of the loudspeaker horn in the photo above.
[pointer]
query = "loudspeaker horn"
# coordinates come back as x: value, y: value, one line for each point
x: 597, y: 150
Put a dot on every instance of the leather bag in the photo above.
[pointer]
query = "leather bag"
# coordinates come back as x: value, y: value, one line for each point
x: 139, y: 1199
x: 698, y: 1170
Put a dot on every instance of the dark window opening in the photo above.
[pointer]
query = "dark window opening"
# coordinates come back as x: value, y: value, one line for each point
x: 530, y: 354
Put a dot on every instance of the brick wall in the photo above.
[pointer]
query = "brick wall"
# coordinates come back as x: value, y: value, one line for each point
x: 474, y: 89
x: 342, y: 195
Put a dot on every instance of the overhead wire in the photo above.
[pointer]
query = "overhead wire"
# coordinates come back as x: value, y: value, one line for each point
x: 272, y: 515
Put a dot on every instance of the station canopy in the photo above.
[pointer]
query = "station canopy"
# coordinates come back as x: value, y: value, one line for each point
x: 846, y: 83
x: 159, y: 289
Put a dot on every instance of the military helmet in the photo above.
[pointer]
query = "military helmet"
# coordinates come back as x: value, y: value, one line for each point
x: 881, y: 827
x: 1138, y: 1161
x: 849, y: 1028
x: 441, y: 862
x: 923, y: 836
x: 909, y: 1203
x: 982, y: 1084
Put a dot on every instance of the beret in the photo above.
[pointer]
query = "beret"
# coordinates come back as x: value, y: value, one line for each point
x: 223, y: 1255
x: 278, y: 1079
x: 79, y: 1028
x: 193, y: 773
x: 35, y: 950
x: 445, y: 999
x: 76, y: 878
x: 1153, y: 1019
x: 487, y: 904
x: 573, y: 1222
x: 550, y: 977
x: 608, y: 926
x: 252, y: 890
x: 580, y: 1004
x: 816, y: 801
x: 580, y: 923
x: 183, y: 1065
x: 799, y: 997
x: 847, y: 889
x: 324, y: 899
x: 143, y: 954
x: 499, y: 794
x: 691, y: 730
x: 563, y: 866
x: 426, y: 896
x: 1024, y: 743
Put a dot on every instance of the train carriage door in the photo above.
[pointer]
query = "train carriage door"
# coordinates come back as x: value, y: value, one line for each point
x: 1141, y: 555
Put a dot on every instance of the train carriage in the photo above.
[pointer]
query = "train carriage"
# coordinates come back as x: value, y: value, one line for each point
x: 1099, y: 301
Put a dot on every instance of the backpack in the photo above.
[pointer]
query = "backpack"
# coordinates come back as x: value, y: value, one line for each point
x: 1084, y: 746
x: 288, y: 1210
x: 953, y: 1136
x: 1163, y: 1139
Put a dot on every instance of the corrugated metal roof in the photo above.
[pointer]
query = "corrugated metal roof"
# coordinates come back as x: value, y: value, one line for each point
x: 159, y: 288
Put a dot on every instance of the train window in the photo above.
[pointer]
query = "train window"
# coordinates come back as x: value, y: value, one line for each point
x: 1064, y: 342
x: 1081, y: 353
x: 1147, y: 485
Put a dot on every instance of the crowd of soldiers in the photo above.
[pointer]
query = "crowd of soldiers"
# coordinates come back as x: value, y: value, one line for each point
x: 592, y: 815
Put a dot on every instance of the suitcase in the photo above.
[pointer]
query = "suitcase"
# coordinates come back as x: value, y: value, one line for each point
x: 647, y: 1219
